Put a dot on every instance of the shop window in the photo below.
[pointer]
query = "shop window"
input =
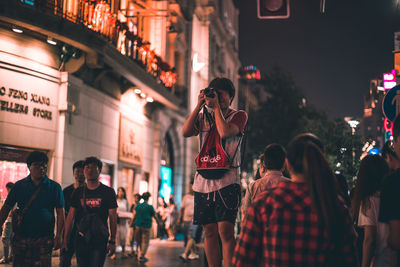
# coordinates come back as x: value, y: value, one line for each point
x: 107, y: 174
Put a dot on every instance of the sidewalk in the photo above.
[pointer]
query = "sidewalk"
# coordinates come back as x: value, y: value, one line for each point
x: 161, y: 253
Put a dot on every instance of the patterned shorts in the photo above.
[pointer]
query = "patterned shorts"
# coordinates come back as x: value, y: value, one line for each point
x: 32, y: 251
x: 217, y: 206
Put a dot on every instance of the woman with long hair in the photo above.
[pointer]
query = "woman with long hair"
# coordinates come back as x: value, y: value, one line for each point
x: 366, y: 201
x: 302, y: 222
x: 123, y: 217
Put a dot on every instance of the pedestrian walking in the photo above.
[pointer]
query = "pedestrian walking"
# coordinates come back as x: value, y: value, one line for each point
x: 79, y: 177
x: 170, y: 218
x: 123, y: 217
x: 366, y: 201
x: 302, y: 222
x: 217, y: 192
x: 132, y: 242
x: 272, y: 166
x: 390, y: 196
x: 38, y: 198
x: 143, y: 222
x: 7, y: 234
x: 189, y: 229
x: 91, y: 207
x: 161, y: 216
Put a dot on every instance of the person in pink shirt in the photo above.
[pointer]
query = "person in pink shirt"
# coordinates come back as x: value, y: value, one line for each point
x: 271, y: 174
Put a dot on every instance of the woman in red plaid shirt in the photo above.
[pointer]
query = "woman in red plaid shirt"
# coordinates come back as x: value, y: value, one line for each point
x: 303, y: 222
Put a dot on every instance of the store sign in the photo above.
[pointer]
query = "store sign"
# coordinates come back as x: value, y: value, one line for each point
x: 28, y: 100
x: 130, y: 142
x: 11, y: 95
x: 389, y: 80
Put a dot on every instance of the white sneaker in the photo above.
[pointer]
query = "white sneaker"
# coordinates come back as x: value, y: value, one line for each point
x: 193, y: 256
x: 183, y: 256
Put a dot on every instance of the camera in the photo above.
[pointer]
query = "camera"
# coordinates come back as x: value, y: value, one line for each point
x: 209, y: 92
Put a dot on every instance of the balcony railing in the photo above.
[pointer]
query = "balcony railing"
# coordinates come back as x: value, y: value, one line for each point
x: 97, y: 16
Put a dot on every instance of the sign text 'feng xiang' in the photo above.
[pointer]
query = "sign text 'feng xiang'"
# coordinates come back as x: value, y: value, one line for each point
x: 14, y: 94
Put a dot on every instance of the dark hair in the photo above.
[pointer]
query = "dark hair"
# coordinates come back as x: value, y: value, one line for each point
x: 90, y: 160
x: 78, y: 164
x: 274, y: 156
x: 123, y: 190
x: 387, y: 150
x: 137, y: 195
x: 396, y: 127
x: 146, y: 196
x: 369, y: 180
x: 305, y: 157
x: 36, y: 156
x: 9, y: 185
x: 223, y: 84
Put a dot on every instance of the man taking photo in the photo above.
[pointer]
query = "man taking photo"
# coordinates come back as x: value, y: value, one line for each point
x: 217, y: 199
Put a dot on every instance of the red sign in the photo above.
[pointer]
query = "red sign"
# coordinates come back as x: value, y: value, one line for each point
x: 388, y: 125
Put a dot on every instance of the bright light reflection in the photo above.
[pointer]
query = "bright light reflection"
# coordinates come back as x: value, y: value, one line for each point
x: 17, y: 30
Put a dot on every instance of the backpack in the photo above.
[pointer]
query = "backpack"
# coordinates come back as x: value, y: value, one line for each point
x: 212, y: 161
x: 90, y: 227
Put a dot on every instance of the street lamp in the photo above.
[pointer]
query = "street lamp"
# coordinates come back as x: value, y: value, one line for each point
x: 353, y: 125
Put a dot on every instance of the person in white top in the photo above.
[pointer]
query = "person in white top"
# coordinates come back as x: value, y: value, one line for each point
x: 376, y: 251
x: 123, y: 217
x: 189, y: 229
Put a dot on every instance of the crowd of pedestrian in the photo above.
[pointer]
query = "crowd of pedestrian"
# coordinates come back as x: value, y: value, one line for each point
x: 296, y: 212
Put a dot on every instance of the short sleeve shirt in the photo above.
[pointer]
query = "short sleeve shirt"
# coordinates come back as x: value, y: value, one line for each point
x: 188, y: 206
x: 390, y: 198
x: 67, y: 196
x: 39, y: 219
x: 144, y: 214
x: 99, y: 201
x: 202, y: 185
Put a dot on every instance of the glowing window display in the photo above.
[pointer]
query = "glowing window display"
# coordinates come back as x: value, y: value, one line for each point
x: 166, y: 182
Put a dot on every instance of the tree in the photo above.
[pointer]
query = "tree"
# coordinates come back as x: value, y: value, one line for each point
x: 285, y: 114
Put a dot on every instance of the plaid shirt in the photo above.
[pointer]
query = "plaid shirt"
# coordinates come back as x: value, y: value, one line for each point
x: 282, y: 230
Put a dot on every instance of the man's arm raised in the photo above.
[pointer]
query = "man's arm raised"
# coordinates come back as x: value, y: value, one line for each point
x: 189, y: 129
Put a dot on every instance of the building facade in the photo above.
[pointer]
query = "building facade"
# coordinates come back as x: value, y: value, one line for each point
x: 113, y: 79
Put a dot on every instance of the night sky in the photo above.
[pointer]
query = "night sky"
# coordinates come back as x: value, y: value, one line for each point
x: 331, y: 56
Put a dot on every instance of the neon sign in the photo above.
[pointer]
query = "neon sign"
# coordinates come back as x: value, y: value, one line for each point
x: 166, y: 183
x: 388, y: 126
x: 389, y: 80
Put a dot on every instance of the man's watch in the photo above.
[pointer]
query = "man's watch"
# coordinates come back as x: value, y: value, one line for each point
x: 111, y: 242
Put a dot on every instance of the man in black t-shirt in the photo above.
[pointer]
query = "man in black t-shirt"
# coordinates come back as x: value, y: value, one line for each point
x: 389, y: 210
x: 77, y: 168
x: 100, y: 200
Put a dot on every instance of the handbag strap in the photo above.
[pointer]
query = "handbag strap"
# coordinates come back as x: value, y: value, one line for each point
x: 84, y: 199
x: 33, y: 197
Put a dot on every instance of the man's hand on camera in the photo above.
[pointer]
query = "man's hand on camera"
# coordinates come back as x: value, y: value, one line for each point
x: 201, y: 98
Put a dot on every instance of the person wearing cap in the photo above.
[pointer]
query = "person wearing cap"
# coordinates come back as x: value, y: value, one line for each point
x: 79, y: 177
x: 216, y: 202
x: 34, y: 239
